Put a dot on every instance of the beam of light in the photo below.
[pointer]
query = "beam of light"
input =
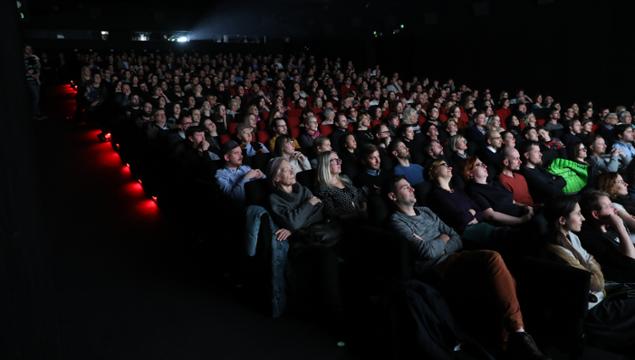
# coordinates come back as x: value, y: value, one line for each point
x: 182, y: 39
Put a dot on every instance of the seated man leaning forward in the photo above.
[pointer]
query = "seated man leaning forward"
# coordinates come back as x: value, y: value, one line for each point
x: 437, y: 247
x: 232, y: 178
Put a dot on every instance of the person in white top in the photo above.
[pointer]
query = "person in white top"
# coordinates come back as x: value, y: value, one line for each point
x: 610, y: 321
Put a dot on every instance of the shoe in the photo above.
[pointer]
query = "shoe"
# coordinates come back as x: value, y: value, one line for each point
x: 522, y: 346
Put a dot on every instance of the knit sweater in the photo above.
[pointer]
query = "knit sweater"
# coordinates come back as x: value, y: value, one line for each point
x: 293, y: 210
x: 422, y: 231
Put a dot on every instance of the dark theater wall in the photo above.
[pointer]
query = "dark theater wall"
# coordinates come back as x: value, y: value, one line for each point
x: 27, y: 307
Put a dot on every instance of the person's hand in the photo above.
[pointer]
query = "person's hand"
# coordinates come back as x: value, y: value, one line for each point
x: 282, y: 234
x: 314, y: 200
x: 444, y: 237
x: 615, y: 220
x: 530, y: 210
x: 253, y: 174
x: 204, y: 145
x: 473, y: 222
x: 472, y: 211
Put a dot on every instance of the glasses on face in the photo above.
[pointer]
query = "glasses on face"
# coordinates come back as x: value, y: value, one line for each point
x: 336, y: 161
x: 443, y: 164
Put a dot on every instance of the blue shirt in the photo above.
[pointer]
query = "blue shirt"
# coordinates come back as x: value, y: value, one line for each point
x: 412, y: 173
x: 232, y: 181
x: 250, y: 151
x: 627, y: 149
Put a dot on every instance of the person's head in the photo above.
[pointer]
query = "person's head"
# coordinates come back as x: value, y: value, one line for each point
x: 280, y: 126
x: 159, y: 118
x: 195, y: 135
x: 369, y: 156
x: 440, y: 170
x: 544, y: 135
x: 611, y: 119
x: 147, y: 108
x: 532, y: 154
x: 311, y: 123
x: 587, y: 126
x: 451, y: 127
x: 509, y: 140
x: 511, y: 159
x: 458, y: 143
x: 494, y: 139
x: 577, y: 152
x: 613, y: 184
x: 575, y: 126
x: 329, y: 167
x: 341, y: 121
x: 401, y: 193
x: 382, y: 132
x: 185, y: 121
x: 350, y: 143
x: 624, y: 132
x: 281, y: 173
x: 322, y: 144
x: 564, y: 214
x: 625, y: 117
x: 245, y: 133
x: 434, y: 149
x: 399, y: 150
x: 475, y: 170
x: 432, y: 132
x: 410, y: 116
x: 596, y: 206
x: 531, y: 134
x: 210, y: 127
x: 480, y: 119
x: 284, y: 145
x: 598, y: 145
x: 233, y: 154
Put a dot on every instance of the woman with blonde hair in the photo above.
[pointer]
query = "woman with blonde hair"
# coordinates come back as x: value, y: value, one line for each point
x: 341, y: 199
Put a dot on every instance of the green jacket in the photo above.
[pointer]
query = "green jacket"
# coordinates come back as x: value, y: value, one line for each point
x: 574, y: 174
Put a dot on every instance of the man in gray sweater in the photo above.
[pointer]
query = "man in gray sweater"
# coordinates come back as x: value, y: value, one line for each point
x: 470, y: 277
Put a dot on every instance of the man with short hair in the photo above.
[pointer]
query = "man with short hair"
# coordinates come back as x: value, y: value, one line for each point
x: 624, y: 143
x: 339, y: 132
x: 233, y: 177
x: 543, y: 186
x: 437, y: 248
x: 512, y: 180
x: 412, y: 172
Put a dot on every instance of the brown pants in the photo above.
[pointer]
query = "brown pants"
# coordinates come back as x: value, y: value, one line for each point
x: 481, y: 277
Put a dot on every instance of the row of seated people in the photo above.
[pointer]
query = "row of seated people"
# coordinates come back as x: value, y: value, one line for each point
x: 461, y: 219
x: 184, y: 163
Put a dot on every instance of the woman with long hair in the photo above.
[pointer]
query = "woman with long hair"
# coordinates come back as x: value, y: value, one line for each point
x: 285, y: 149
x: 610, y: 321
x: 341, y: 199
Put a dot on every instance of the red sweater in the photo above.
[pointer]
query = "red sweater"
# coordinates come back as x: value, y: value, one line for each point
x: 518, y: 186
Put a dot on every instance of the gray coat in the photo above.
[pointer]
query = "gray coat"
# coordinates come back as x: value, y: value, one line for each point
x: 293, y: 210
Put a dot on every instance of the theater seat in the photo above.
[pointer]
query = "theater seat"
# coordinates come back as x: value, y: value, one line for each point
x: 263, y: 136
x: 307, y: 178
x: 326, y: 130
x: 257, y: 192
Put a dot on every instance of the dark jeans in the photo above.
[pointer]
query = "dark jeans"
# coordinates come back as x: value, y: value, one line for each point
x: 34, y: 97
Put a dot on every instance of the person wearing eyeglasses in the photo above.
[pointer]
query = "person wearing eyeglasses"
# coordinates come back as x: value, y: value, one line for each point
x: 342, y: 200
